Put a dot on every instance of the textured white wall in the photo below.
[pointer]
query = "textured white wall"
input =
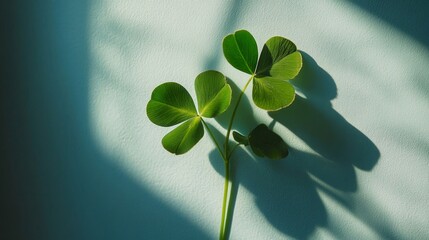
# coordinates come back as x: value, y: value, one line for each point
x: 359, y: 164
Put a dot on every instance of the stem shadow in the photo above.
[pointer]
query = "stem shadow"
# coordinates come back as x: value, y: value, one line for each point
x: 285, y: 194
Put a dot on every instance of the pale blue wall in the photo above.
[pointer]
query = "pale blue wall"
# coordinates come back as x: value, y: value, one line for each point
x: 80, y: 160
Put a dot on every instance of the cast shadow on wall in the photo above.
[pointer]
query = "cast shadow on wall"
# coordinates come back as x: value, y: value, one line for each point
x: 403, y: 15
x: 285, y: 191
x: 58, y: 183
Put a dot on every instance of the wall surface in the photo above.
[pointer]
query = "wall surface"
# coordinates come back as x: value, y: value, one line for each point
x: 84, y: 162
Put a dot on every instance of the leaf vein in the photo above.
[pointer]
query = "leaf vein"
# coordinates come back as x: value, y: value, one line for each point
x: 177, y: 108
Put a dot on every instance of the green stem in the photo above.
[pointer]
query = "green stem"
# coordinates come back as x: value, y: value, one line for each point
x: 214, y: 139
x: 232, y: 150
x: 226, y: 185
x: 227, y: 155
x: 224, y: 202
x: 233, y: 114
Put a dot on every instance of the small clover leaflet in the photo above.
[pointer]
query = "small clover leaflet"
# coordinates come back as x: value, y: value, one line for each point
x: 263, y: 142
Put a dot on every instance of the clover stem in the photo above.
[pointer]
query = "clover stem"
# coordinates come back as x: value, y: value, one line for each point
x: 226, y: 184
x: 226, y: 157
x: 214, y: 139
x: 224, y: 202
x: 228, y: 132
x: 232, y: 150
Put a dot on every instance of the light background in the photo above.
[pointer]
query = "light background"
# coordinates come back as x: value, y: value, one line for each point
x: 86, y: 163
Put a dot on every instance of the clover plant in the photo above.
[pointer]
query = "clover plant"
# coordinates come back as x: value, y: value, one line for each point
x: 171, y: 103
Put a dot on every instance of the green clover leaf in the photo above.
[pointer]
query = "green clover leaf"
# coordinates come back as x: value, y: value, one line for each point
x: 279, y: 62
x: 264, y: 142
x: 241, y: 51
x: 240, y: 138
x: 184, y: 137
x: 213, y: 93
x: 171, y: 104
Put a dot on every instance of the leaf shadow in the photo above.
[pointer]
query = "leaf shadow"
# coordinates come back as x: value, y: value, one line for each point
x: 286, y: 191
x: 321, y: 127
x: 261, y: 177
